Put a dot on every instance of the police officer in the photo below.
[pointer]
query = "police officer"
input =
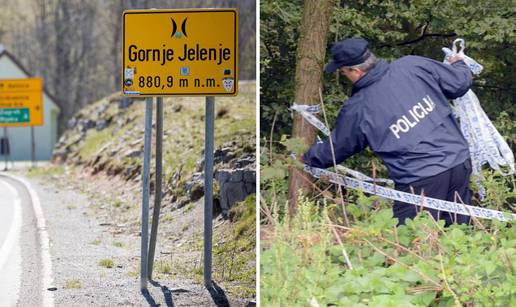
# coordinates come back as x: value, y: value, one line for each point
x: 401, y: 110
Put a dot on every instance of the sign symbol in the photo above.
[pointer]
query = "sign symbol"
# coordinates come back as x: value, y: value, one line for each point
x: 185, y: 71
x: 174, y: 28
x: 228, y: 84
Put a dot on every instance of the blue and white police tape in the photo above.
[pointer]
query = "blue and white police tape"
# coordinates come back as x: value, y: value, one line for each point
x: 358, y: 175
x: 307, y: 112
x: 473, y: 65
x: 363, y: 182
x: 486, y: 145
x: 419, y: 200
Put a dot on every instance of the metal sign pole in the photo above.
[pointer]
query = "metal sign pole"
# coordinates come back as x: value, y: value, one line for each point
x: 157, y: 188
x: 145, y: 194
x: 33, y: 146
x: 6, y: 148
x: 208, y: 187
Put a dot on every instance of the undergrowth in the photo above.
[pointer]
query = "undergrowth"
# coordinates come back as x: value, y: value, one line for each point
x: 313, y: 261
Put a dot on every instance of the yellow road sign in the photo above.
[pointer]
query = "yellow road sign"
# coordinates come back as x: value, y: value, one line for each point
x: 21, y: 102
x: 180, y: 52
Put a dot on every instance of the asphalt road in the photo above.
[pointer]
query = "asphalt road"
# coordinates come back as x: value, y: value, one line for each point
x: 20, y: 251
x: 52, y: 246
x: 10, y: 226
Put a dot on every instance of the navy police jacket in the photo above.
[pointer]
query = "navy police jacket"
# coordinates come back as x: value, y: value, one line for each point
x: 401, y: 110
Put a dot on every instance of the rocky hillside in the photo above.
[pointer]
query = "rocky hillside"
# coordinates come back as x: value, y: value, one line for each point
x: 103, y: 145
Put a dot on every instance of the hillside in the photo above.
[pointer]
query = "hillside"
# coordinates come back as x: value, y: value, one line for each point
x: 101, y: 153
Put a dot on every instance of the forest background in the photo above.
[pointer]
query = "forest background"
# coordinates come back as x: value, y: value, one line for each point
x: 315, y: 256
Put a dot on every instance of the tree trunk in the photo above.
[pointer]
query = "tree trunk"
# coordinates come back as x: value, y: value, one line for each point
x: 310, y: 62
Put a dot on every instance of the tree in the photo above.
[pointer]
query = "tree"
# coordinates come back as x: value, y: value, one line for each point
x: 309, y: 68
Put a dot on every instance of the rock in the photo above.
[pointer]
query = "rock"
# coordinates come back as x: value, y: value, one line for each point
x: 224, y: 155
x: 180, y: 203
x: 71, y: 123
x: 101, y: 124
x: 85, y: 124
x: 113, y: 152
x: 176, y: 108
x: 135, y: 142
x: 59, y: 156
x: 125, y: 102
x: 195, y: 187
x: 133, y: 153
x: 222, y: 112
x: 235, y: 185
x: 199, y: 165
x: 196, y: 192
x: 243, y: 162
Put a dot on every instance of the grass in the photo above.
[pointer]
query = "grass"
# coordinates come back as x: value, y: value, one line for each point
x: 133, y: 274
x: 106, y: 263
x: 96, y: 242
x: 234, y: 259
x: 73, y: 284
x: 189, y: 207
x: 167, y: 218
x: 163, y: 267
x: 118, y: 244
x: 51, y: 170
x: 245, y: 215
x: 117, y: 203
x: 94, y: 142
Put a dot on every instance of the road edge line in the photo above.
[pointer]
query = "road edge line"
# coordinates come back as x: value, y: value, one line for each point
x: 14, y: 230
x: 47, y: 280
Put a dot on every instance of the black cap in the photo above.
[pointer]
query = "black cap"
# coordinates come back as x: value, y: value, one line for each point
x: 349, y: 52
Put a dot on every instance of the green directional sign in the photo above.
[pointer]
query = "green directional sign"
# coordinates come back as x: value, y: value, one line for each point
x: 14, y: 115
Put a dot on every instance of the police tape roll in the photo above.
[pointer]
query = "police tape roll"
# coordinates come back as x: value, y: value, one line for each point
x: 414, y: 199
x: 486, y: 145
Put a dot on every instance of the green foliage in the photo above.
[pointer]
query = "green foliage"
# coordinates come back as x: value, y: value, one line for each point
x: 419, y: 264
x: 394, y: 29
x: 280, y: 22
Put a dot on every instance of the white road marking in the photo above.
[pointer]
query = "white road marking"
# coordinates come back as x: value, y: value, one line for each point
x: 14, y: 231
x: 10, y: 260
x: 46, y: 269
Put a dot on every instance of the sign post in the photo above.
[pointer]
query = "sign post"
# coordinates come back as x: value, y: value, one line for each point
x: 145, y: 193
x: 187, y: 52
x: 157, y: 186
x: 208, y: 187
x: 5, y: 148
x: 32, y: 147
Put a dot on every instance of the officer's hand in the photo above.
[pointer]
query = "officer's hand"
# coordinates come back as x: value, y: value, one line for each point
x: 455, y: 58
